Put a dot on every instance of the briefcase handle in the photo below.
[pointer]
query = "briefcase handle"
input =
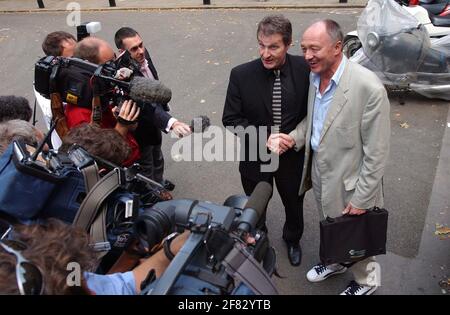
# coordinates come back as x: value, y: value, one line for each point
x: 377, y: 210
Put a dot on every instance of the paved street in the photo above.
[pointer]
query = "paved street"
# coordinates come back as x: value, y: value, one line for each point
x: 194, y: 51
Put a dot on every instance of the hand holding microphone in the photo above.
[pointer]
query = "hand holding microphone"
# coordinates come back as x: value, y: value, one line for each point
x: 181, y: 129
x: 198, y: 124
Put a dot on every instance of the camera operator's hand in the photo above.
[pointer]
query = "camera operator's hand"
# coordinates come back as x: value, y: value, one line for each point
x: 127, y: 118
x: 181, y: 129
x: 158, y: 262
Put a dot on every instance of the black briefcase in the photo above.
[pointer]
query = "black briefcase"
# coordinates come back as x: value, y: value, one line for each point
x: 352, y: 238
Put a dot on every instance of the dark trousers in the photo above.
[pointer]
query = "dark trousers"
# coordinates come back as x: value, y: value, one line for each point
x: 152, y: 162
x: 288, y: 188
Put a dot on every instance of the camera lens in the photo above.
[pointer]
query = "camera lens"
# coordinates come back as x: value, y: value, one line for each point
x: 152, y: 226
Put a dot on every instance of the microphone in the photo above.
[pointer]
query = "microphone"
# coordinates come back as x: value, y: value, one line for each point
x: 256, y: 207
x: 200, y: 123
x: 149, y: 91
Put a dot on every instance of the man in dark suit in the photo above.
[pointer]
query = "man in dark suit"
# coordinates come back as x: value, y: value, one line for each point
x: 271, y: 92
x: 153, y: 118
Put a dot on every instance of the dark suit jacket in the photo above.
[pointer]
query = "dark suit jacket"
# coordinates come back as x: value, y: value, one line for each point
x: 153, y: 117
x: 249, y: 103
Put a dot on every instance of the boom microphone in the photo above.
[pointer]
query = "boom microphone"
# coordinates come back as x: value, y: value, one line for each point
x: 149, y: 91
x: 255, y: 207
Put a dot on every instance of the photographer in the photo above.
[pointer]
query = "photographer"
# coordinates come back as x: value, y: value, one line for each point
x: 55, y: 252
x: 134, y: 55
x: 98, y: 51
x: 104, y: 143
x: 57, y: 43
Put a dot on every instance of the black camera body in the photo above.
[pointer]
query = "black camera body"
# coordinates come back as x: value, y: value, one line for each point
x: 73, y: 79
x: 198, y: 268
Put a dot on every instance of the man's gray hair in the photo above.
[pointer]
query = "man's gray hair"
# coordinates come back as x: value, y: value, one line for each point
x: 17, y: 129
x: 276, y: 24
x: 334, y: 30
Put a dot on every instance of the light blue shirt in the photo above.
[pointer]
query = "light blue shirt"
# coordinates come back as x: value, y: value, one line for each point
x: 322, y: 102
x: 113, y: 284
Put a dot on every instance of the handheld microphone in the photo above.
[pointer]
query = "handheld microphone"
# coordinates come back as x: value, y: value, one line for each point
x: 149, y: 91
x: 256, y: 207
x: 199, y: 124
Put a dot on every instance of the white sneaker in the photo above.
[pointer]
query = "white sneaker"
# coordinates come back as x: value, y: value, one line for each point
x: 358, y: 289
x: 321, y: 272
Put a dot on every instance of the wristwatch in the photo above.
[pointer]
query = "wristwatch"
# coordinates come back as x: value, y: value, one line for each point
x: 166, y: 245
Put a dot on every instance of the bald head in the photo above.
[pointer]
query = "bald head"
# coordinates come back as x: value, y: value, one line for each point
x: 329, y: 28
x: 322, y: 47
x: 94, y: 50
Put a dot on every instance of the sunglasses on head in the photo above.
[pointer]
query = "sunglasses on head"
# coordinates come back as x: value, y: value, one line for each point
x: 29, y: 277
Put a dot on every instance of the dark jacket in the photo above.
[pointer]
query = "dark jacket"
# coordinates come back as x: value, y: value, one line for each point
x: 153, y: 117
x: 249, y: 103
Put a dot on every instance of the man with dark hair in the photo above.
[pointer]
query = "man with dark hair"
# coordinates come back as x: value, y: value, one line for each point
x: 346, y: 141
x: 14, y: 107
x: 56, y: 44
x: 59, y: 43
x: 271, y: 92
x: 154, y: 118
x: 107, y: 144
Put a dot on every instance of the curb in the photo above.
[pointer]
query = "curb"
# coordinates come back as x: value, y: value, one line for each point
x: 199, y: 7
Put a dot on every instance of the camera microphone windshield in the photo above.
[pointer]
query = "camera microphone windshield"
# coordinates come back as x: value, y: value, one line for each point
x: 256, y: 206
x: 149, y: 91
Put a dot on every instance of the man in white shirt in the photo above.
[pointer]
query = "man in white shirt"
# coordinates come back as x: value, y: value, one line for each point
x: 57, y: 43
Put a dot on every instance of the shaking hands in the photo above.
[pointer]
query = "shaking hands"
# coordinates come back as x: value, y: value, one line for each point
x: 279, y: 143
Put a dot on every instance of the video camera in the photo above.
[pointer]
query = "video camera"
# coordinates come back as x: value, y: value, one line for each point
x: 77, y: 81
x: 211, y: 258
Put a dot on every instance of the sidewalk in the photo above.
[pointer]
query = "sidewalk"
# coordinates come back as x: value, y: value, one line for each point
x: 95, y: 5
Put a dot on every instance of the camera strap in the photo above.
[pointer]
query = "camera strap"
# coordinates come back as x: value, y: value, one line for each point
x: 241, y: 265
x: 91, y: 204
x: 58, y: 115
x: 98, y: 233
x: 90, y: 175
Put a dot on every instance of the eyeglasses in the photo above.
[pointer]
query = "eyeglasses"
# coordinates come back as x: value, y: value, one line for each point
x: 29, y: 277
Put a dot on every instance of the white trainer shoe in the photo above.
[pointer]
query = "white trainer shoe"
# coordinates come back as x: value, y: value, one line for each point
x: 358, y: 289
x: 321, y: 272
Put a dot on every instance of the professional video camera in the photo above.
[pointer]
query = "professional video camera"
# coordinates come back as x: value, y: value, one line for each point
x: 67, y: 186
x: 217, y: 257
x: 77, y: 81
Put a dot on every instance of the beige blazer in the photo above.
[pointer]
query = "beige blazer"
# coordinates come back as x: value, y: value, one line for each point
x: 354, y: 142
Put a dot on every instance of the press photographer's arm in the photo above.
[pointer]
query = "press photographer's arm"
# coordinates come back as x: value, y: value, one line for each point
x: 158, y: 262
x: 75, y: 257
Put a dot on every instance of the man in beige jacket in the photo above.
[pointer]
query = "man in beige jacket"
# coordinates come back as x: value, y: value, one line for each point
x: 346, y: 138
